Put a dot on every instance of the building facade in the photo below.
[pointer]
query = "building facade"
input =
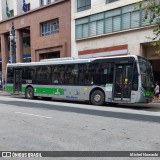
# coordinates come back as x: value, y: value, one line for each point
x: 112, y: 28
x: 40, y: 32
x: 15, y: 6
x: 77, y: 28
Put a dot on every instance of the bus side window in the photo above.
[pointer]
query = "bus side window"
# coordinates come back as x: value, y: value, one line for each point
x: 84, y: 74
x: 135, y: 78
x: 92, y: 71
x: 28, y: 73
x: 62, y: 74
x: 55, y: 75
x: 71, y: 74
x: 48, y: 71
x: 9, y: 75
x: 58, y: 74
x: 107, y: 72
x: 103, y: 73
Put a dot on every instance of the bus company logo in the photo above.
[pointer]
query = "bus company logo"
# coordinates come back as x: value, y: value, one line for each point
x: 58, y: 91
x: 6, y: 154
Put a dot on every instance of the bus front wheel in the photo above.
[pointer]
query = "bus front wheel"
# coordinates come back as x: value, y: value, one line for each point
x: 29, y: 93
x: 97, y: 98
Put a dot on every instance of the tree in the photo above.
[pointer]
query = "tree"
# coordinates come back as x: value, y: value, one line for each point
x: 152, y: 11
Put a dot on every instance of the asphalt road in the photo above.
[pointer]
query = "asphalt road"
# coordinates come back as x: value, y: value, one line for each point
x: 36, y: 125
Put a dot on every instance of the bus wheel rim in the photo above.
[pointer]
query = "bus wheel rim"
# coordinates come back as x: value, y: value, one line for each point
x: 29, y: 93
x: 97, y: 98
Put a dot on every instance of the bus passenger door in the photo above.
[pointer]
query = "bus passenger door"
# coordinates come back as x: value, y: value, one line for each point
x: 17, y: 80
x: 122, y: 82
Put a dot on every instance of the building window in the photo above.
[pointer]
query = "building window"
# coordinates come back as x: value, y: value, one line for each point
x: 26, y: 60
x: 110, y: 1
x: 83, y: 5
x: 124, y: 18
x: 41, y: 2
x: 50, y: 55
x: 12, y: 13
x: 50, y: 27
x: 27, y: 7
x: 48, y: 1
x: 26, y: 42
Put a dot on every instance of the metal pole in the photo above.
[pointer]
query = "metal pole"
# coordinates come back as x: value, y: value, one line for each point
x: 12, y: 44
x: 11, y: 49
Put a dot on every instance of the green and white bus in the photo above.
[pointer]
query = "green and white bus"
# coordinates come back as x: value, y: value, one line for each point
x: 121, y: 79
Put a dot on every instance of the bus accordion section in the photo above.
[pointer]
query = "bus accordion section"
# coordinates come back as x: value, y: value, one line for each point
x: 122, y: 79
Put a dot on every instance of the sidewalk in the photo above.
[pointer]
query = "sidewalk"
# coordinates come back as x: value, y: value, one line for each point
x: 4, y: 93
x: 157, y: 104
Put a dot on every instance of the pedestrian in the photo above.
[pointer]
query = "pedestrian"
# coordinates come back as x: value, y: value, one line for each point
x: 156, y: 92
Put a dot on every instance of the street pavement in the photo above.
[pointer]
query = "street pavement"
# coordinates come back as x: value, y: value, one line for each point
x: 38, y: 125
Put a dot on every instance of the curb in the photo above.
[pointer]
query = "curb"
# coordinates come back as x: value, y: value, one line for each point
x: 3, y: 93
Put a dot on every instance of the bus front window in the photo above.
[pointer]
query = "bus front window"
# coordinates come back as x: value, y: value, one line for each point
x: 146, y: 76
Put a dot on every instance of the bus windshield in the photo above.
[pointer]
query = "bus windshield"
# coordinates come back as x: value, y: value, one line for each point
x: 146, y: 74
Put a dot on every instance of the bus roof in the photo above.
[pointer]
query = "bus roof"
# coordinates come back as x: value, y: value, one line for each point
x: 64, y: 61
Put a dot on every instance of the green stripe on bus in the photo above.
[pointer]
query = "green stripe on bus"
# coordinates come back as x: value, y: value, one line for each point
x: 40, y: 90
x: 23, y: 89
x: 9, y: 88
x: 45, y: 91
x: 52, y: 91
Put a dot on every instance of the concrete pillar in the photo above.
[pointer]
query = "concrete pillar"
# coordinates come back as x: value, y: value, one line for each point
x: 19, y: 46
x: 63, y: 51
x: 4, y: 52
x: 34, y: 55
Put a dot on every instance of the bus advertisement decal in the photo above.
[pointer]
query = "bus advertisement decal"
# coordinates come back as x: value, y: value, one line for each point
x: 71, y: 97
x: 58, y: 91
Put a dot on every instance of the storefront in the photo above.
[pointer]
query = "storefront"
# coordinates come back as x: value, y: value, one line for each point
x: 151, y: 53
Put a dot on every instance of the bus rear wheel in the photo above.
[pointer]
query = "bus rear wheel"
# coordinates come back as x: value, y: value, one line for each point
x: 97, y: 98
x: 29, y: 93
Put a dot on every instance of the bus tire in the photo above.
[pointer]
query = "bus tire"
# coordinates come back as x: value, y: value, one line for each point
x: 97, y: 98
x: 29, y: 93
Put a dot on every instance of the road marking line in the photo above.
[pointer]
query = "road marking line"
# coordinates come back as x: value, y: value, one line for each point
x: 28, y: 114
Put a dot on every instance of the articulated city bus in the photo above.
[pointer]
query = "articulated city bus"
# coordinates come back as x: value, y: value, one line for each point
x: 121, y: 79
